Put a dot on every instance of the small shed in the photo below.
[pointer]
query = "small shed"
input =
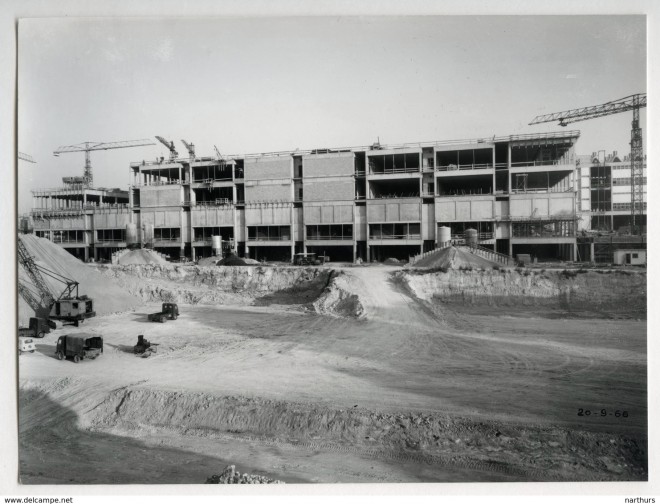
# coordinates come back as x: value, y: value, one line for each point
x: 630, y: 256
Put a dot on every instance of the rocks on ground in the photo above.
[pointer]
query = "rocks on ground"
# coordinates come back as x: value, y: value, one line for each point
x: 231, y: 476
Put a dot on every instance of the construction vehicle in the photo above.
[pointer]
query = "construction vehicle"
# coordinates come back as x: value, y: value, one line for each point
x: 309, y: 259
x: 169, y: 311
x: 79, y: 346
x: 144, y: 347
x: 37, y: 328
x: 26, y: 345
x: 69, y: 306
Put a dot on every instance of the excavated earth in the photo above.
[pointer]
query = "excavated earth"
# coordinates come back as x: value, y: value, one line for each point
x: 364, y: 374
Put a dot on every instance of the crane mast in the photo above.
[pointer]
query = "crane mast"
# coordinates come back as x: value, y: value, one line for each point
x: 635, y: 103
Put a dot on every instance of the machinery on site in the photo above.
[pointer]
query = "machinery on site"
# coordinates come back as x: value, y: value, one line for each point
x: 309, y: 259
x: 26, y: 345
x: 37, y: 328
x: 170, y: 145
x: 144, y: 347
x: 79, y: 346
x: 190, y: 147
x: 87, y: 180
x: 635, y: 103
x: 69, y: 306
x: 169, y: 311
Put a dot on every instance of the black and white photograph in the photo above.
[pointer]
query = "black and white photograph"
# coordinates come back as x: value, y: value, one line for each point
x: 352, y: 249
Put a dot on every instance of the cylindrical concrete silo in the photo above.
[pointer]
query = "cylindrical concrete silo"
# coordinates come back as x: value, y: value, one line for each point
x: 216, y: 244
x: 444, y: 236
x: 471, y: 237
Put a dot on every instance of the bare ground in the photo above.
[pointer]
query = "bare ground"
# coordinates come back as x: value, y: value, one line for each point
x: 411, y: 391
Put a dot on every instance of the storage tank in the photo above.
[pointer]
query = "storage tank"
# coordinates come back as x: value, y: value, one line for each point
x: 216, y: 244
x: 444, y: 236
x: 131, y: 236
x: 471, y: 237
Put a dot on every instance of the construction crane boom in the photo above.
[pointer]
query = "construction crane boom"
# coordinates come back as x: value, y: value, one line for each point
x: 567, y: 117
x: 190, y: 147
x: 87, y: 147
x: 170, y: 145
x: 635, y: 103
x: 26, y: 157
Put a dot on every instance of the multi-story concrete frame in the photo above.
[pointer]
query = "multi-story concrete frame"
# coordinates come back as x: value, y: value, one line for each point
x: 605, y: 193
x: 369, y: 202
x: 88, y: 222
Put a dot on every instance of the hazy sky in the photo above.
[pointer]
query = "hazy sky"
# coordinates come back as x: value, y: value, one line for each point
x: 262, y: 84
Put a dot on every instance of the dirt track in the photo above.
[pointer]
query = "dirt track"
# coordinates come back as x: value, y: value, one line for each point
x: 408, y: 392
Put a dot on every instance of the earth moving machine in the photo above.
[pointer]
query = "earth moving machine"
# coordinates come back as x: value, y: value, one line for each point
x: 38, y: 328
x: 79, y: 346
x: 144, y: 347
x: 169, y: 311
x: 69, y: 306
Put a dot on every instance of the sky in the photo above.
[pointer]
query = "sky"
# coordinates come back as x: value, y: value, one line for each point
x: 252, y: 85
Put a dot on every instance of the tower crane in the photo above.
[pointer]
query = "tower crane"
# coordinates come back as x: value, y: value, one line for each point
x: 190, y: 147
x: 170, y: 145
x: 635, y: 103
x: 87, y: 179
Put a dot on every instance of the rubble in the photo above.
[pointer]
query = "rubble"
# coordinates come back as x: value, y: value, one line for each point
x: 230, y: 476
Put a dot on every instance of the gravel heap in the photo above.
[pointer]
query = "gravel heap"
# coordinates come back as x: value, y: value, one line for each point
x: 231, y: 476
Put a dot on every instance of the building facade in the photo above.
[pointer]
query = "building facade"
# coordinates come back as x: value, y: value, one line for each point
x: 604, y: 199
x: 374, y: 202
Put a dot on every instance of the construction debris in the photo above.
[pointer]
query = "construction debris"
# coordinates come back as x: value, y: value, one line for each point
x: 231, y: 476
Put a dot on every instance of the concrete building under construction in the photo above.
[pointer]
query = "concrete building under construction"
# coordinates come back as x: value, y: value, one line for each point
x: 518, y: 192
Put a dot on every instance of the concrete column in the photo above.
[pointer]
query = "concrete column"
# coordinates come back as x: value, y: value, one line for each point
x: 354, y: 250
x: 192, y: 253
x: 592, y: 252
x: 86, y: 249
x: 574, y: 252
x: 368, y: 252
x: 96, y: 254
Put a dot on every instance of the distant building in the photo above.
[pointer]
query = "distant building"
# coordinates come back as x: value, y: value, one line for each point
x: 605, y: 193
x: 518, y: 192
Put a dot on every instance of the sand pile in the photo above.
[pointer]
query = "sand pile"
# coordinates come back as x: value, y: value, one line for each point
x: 108, y: 296
x: 142, y: 256
x: 453, y: 258
x: 391, y: 261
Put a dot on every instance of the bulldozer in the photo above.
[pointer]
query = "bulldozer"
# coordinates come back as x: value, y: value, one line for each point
x: 144, y: 347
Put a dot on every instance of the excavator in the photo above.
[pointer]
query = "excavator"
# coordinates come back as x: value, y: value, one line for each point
x: 69, y: 306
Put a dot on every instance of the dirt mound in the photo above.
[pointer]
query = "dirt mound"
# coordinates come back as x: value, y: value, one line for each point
x: 453, y: 258
x: 338, y: 298
x: 142, y: 256
x: 232, y: 260
x: 427, y: 437
x: 108, y: 296
x: 231, y: 476
x: 391, y: 261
